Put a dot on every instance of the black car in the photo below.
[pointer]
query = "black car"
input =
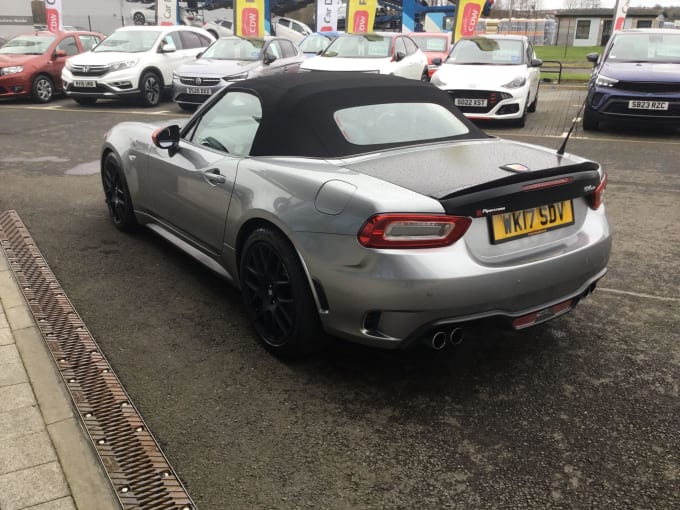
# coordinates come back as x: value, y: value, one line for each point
x: 637, y: 79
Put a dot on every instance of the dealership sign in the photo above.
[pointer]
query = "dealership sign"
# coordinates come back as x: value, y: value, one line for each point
x: 249, y: 18
x: 469, y: 12
x: 620, y: 14
x: 327, y: 15
x: 53, y: 15
x: 360, y: 16
x: 167, y: 12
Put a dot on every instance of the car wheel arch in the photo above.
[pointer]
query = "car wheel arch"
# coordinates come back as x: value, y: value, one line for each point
x: 156, y: 71
x: 250, y: 226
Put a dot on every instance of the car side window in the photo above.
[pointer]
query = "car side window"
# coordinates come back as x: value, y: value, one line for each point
x: 283, y: 23
x: 230, y: 125
x: 88, y: 41
x: 298, y: 28
x: 287, y: 48
x: 399, y: 46
x: 174, y: 38
x: 411, y: 46
x: 273, y: 50
x: 69, y: 45
x: 190, y: 40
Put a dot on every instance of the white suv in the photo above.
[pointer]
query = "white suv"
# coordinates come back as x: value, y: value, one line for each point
x: 133, y: 62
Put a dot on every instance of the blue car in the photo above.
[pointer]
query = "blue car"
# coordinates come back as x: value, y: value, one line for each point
x: 637, y: 79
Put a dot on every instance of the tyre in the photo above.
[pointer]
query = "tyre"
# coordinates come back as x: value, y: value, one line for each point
x: 139, y: 19
x: 276, y: 296
x: 150, y: 88
x: 590, y: 123
x: 187, y: 107
x: 425, y: 77
x: 534, y: 103
x: 85, y: 101
x: 42, y: 89
x: 521, y: 122
x: 117, y: 195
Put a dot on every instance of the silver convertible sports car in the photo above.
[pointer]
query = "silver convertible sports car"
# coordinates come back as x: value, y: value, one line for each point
x: 365, y: 207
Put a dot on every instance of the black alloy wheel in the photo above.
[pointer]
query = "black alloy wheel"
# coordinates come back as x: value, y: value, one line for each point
x: 139, y: 18
x: 425, y: 77
x: 42, y: 89
x: 150, y: 87
x: 117, y: 196
x: 276, y: 295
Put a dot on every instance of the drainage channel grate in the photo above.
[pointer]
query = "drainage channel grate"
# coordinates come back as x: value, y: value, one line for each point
x: 136, y: 466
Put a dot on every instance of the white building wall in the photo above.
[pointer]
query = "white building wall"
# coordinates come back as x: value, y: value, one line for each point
x: 592, y: 39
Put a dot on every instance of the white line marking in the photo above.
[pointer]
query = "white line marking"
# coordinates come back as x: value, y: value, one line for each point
x: 637, y: 294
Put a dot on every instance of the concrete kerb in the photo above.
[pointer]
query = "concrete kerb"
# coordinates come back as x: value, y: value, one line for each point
x: 89, y: 485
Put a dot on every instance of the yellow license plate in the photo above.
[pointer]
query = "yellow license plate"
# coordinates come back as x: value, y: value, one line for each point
x: 512, y: 225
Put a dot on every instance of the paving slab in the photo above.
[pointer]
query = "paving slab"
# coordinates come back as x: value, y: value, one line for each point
x: 32, y: 486
x: 57, y: 504
x: 9, y: 355
x: 15, y: 397
x: 26, y: 451
x: 12, y: 373
x: 6, y: 336
x: 18, y: 422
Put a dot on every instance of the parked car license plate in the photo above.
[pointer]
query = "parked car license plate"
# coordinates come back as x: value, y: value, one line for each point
x: 461, y: 101
x: 512, y: 225
x: 85, y: 83
x: 201, y: 91
x: 648, y: 105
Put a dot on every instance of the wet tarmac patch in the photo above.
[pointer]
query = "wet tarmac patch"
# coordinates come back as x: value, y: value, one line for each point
x: 89, y: 168
x: 42, y: 159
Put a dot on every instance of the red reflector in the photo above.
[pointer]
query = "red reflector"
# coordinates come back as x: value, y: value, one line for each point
x: 524, y: 321
x: 547, y: 184
x: 561, y: 307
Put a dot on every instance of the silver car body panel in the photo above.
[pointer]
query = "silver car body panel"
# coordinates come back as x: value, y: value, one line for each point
x: 320, y: 205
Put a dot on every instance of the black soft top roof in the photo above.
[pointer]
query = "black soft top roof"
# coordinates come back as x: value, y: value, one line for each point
x: 297, y: 110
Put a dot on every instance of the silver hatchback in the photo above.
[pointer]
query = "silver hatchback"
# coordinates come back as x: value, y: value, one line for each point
x: 232, y: 59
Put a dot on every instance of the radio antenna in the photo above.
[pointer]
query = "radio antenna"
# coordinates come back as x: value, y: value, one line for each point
x: 560, y: 151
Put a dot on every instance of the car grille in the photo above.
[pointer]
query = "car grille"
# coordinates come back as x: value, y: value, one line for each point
x: 199, y: 81
x: 652, y: 87
x: 90, y: 90
x: 190, y: 98
x: 492, y: 99
x: 619, y: 106
x: 83, y: 70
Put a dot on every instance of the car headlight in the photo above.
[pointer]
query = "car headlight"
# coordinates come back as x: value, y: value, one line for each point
x: 11, y: 70
x: 236, y: 77
x: 605, y: 81
x: 518, y: 82
x: 125, y: 64
x: 175, y: 76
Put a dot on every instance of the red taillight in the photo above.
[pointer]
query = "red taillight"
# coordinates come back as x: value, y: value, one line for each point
x: 598, y: 195
x: 412, y: 230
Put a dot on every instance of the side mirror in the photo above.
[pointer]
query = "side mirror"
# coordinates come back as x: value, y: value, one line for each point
x: 437, y: 61
x: 268, y: 59
x: 198, y: 55
x: 167, y: 48
x: 167, y: 138
x: 59, y: 54
x: 536, y: 62
x: 399, y: 56
x: 593, y: 57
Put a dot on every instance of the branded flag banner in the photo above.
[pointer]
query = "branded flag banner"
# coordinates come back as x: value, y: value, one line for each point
x: 469, y: 12
x: 53, y: 15
x: 249, y: 18
x: 360, y: 16
x: 620, y: 14
x: 327, y: 15
x: 167, y: 12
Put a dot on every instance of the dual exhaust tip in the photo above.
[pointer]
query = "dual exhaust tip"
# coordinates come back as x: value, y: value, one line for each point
x: 441, y: 339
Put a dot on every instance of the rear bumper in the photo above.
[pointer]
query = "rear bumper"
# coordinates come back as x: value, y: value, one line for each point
x: 392, y: 298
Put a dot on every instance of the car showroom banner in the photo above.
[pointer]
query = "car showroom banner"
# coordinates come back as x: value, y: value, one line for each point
x: 249, y: 18
x: 469, y: 12
x: 53, y: 15
x: 360, y: 15
x: 167, y: 12
x: 327, y: 15
x: 620, y: 14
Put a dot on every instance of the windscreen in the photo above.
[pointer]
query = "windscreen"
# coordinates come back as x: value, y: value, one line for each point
x: 431, y: 43
x: 641, y: 47
x: 235, y: 49
x: 314, y: 43
x: 359, y: 46
x: 482, y: 50
x: 27, y: 45
x: 129, y: 41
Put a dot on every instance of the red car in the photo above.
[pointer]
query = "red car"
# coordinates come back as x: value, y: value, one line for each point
x: 31, y: 64
x: 434, y: 45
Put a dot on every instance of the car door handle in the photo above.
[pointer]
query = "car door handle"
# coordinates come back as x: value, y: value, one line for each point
x: 213, y: 176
